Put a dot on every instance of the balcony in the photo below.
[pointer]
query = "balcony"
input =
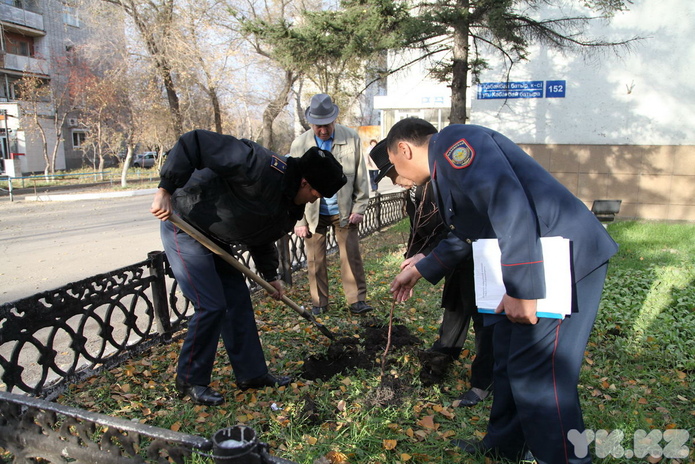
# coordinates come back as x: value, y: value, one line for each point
x: 25, y: 64
x: 21, y: 17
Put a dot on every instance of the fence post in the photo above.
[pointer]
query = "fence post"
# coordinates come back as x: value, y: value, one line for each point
x: 283, y: 246
x: 377, y: 209
x: 159, y: 292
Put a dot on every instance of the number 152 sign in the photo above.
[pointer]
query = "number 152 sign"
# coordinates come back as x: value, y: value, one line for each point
x: 555, y: 89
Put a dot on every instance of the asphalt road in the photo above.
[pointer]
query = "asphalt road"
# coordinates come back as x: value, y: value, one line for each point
x: 45, y: 245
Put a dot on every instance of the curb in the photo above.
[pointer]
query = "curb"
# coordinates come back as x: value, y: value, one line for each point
x: 88, y: 196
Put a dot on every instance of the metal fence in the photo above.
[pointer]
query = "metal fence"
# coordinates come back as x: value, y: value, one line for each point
x: 59, y: 337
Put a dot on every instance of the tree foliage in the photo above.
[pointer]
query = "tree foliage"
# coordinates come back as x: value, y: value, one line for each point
x: 45, y: 105
x: 330, y: 47
x: 459, y: 35
x: 465, y: 34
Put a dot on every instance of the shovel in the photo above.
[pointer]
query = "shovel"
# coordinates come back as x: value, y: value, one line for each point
x: 219, y: 251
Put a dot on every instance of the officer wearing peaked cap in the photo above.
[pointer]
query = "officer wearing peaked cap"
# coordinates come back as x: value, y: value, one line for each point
x: 487, y: 187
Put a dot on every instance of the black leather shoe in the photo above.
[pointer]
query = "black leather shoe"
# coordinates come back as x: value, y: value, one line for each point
x: 199, y: 394
x: 478, y: 448
x: 267, y: 380
x: 471, y: 398
x: 360, y: 307
x: 317, y: 310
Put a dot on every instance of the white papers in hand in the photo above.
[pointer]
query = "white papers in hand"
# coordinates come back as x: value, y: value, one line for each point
x: 489, y: 287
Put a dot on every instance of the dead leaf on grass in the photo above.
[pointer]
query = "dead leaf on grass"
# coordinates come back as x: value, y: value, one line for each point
x: 428, y: 423
x: 389, y: 444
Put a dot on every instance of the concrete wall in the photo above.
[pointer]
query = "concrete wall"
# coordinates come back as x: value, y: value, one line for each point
x: 653, y: 181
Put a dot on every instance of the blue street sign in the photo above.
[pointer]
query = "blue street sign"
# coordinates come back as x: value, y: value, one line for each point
x: 555, y: 89
x: 522, y: 89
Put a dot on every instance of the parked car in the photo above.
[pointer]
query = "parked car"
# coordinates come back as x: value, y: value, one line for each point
x: 145, y: 160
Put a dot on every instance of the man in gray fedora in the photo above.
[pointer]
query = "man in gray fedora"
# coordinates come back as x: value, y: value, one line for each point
x: 343, y: 211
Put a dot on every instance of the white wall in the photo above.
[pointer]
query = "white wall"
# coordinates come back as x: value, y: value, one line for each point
x: 642, y: 97
x: 412, y: 86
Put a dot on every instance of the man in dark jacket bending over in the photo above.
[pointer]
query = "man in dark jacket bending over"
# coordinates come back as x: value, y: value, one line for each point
x: 234, y: 191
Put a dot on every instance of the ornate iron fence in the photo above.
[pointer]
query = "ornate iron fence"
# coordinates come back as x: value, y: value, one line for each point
x: 31, y: 428
x: 55, y: 338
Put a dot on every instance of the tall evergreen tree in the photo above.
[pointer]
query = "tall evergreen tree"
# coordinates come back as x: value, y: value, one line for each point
x: 461, y: 34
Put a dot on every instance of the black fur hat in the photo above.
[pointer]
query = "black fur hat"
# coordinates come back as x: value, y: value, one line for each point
x: 323, y: 172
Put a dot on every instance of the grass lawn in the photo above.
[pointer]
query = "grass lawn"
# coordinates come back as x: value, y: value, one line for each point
x: 638, y: 375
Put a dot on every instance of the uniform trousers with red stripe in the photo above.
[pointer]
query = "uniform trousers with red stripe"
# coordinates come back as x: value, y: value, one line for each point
x: 222, y: 303
x: 536, y: 402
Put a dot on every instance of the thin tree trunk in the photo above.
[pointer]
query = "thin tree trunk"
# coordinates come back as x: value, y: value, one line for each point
x: 216, y: 109
x: 156, y: 51
x: 459, y: 81
x: 273, y: 110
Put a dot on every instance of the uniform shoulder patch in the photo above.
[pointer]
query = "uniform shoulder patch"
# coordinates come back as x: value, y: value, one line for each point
x: 460, y: 154
x: 278, y: 163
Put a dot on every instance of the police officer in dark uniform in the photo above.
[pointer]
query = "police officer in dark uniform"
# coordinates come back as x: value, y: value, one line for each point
x: 233, y: 191
x: 487, y: 187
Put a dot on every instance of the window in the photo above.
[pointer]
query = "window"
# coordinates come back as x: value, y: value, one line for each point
x: 71, y: 16
x: 78, y: 138
x: 18, y: 44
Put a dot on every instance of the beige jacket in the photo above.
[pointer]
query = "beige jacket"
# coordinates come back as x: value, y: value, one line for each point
x: 354, y: 196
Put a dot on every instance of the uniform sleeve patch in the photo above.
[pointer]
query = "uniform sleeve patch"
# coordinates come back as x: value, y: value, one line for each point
x: 460, y: 154
x: 278, y: 163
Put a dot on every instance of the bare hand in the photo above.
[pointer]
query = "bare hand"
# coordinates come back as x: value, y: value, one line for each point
x: 302, y: 231
x: 519, y: 311
x: 402, y: 285
x: 412, y: 261
x: 355, y: 218
x: 279, y: 289
x: 161, y: 205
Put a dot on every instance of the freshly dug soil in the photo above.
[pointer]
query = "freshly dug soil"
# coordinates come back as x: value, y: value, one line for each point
x: 350, y: 353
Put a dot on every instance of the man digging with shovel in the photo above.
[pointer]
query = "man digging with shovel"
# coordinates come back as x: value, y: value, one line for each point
x: 231, y: 191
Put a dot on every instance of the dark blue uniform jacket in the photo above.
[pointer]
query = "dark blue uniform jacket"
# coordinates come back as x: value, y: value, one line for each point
x: 488, y: 187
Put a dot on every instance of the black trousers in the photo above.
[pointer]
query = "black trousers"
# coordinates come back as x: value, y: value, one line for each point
x: 536, y: 403
x: 458, y: 300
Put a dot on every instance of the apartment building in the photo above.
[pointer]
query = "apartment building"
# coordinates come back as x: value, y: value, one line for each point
x: 36, y: 34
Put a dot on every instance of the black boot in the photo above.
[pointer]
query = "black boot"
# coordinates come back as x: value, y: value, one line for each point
x: 479, y: 448
x: 200, y: 394
x: 267, y: 380
x: 434, y: 366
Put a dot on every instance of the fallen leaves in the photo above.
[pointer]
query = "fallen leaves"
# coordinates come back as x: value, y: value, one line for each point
x: 427, y: 422
x: 389, y: 444
x: 336, y: 457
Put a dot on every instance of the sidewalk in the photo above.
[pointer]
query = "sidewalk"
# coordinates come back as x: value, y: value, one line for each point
x: 88, y: 193
x: 65, y: 196
x: 73, y: 192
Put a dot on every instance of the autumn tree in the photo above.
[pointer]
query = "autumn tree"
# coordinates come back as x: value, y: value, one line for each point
x: 155, y: 22
x: 45, y: 105
x: 246, y: 15
x: 459, y: 35
x: 331, y: 49
x: 101, y: 113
